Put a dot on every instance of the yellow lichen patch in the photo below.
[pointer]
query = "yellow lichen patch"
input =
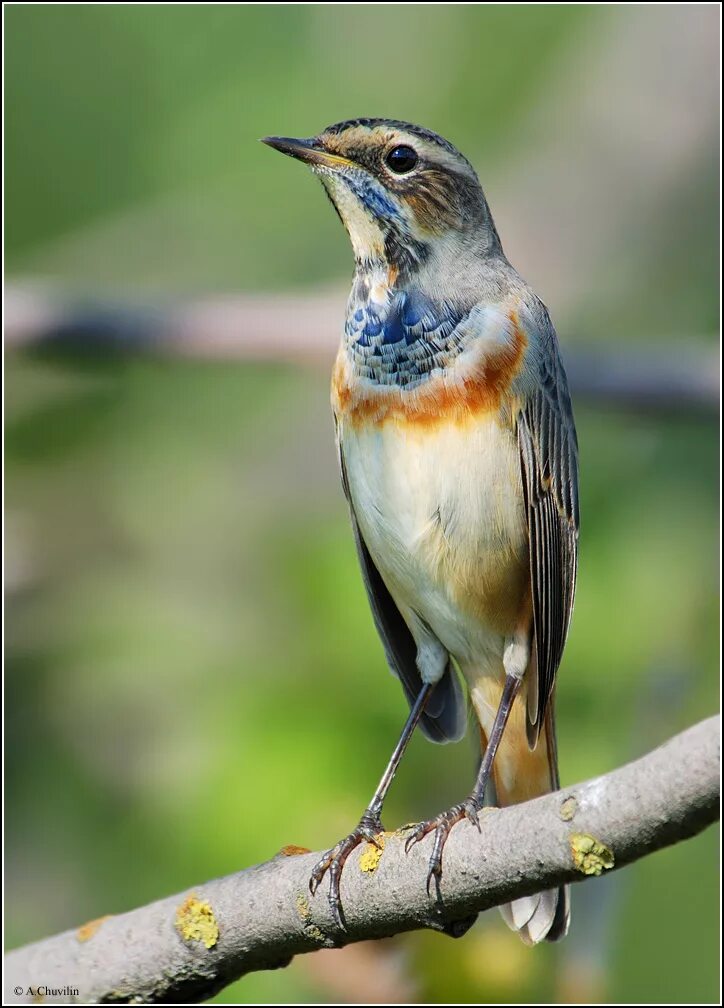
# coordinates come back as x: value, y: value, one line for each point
x: 86, y: 931
x: 293, y: 850
x: 305, y: 912
x: 195, y: 921
x: 568, y: 809
x: 590, y: 856
x: 370, y: 857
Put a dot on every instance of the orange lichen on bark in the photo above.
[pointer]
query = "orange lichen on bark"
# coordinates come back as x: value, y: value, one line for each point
x: 293, y: 850
x: 450, y: 398
x: 86, y: 931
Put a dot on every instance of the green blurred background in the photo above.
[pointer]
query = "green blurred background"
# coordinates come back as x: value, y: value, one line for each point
x: 193, y: 677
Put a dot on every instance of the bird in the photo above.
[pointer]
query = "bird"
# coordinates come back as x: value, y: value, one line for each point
x: 459, y: 461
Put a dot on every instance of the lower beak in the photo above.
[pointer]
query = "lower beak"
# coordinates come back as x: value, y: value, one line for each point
x: 309, y: 151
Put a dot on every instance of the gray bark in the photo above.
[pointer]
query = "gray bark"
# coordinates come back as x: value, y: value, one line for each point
x: 265, y: 915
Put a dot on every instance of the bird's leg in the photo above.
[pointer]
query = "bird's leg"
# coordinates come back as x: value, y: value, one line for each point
x: 468, y: 809
x: 370, y: 825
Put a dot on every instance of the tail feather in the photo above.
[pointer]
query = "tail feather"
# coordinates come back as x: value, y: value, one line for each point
x: 518, y: 913
x: 544, y: 915
x: 562, y: 919
x: 519, y: 774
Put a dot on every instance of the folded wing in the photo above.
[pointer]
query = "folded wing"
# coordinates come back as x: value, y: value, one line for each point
x: 549, y: 465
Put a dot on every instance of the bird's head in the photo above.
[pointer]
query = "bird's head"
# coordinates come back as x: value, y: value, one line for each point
x: 403, y: 193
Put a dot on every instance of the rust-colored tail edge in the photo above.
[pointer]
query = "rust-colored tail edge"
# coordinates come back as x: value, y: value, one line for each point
x: 545, y: 916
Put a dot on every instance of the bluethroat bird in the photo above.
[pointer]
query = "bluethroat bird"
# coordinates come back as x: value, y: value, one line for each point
x: 458, y: 457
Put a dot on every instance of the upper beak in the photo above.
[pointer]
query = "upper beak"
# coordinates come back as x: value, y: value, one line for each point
x: 310, y: 151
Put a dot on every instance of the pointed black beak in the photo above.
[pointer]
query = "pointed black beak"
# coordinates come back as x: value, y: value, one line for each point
x: 289, y: 145
x: 310, y: 151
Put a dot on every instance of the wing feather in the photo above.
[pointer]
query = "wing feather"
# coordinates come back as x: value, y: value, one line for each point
x: 549, y: 464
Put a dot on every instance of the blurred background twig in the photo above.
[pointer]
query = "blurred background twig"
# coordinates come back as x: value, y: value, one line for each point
x: 292, y: 328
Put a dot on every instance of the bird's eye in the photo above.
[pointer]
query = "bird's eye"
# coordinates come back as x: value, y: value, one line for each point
x: 401, y: 160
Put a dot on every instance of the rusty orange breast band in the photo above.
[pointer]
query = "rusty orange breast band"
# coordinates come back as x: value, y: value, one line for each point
x: 467, y: 389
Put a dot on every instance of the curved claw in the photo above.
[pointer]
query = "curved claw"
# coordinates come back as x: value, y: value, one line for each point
x: 419, y: 834
x: 433, y: 873
x: 442, y: 825
x: 334, y: 861
x: 471, y: 814
x: 318, y: 872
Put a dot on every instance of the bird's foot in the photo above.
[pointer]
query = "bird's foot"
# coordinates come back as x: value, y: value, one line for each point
x: 333, y: 861
x: 442, y: 824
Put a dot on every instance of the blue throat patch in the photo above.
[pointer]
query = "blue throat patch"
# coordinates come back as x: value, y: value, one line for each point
x: 403, y: 341
x: 373, y: 196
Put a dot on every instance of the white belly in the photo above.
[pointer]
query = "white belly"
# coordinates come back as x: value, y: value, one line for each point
x: 441, y: 512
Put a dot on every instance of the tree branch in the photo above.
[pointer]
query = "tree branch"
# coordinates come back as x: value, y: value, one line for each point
x: 262, y: 917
